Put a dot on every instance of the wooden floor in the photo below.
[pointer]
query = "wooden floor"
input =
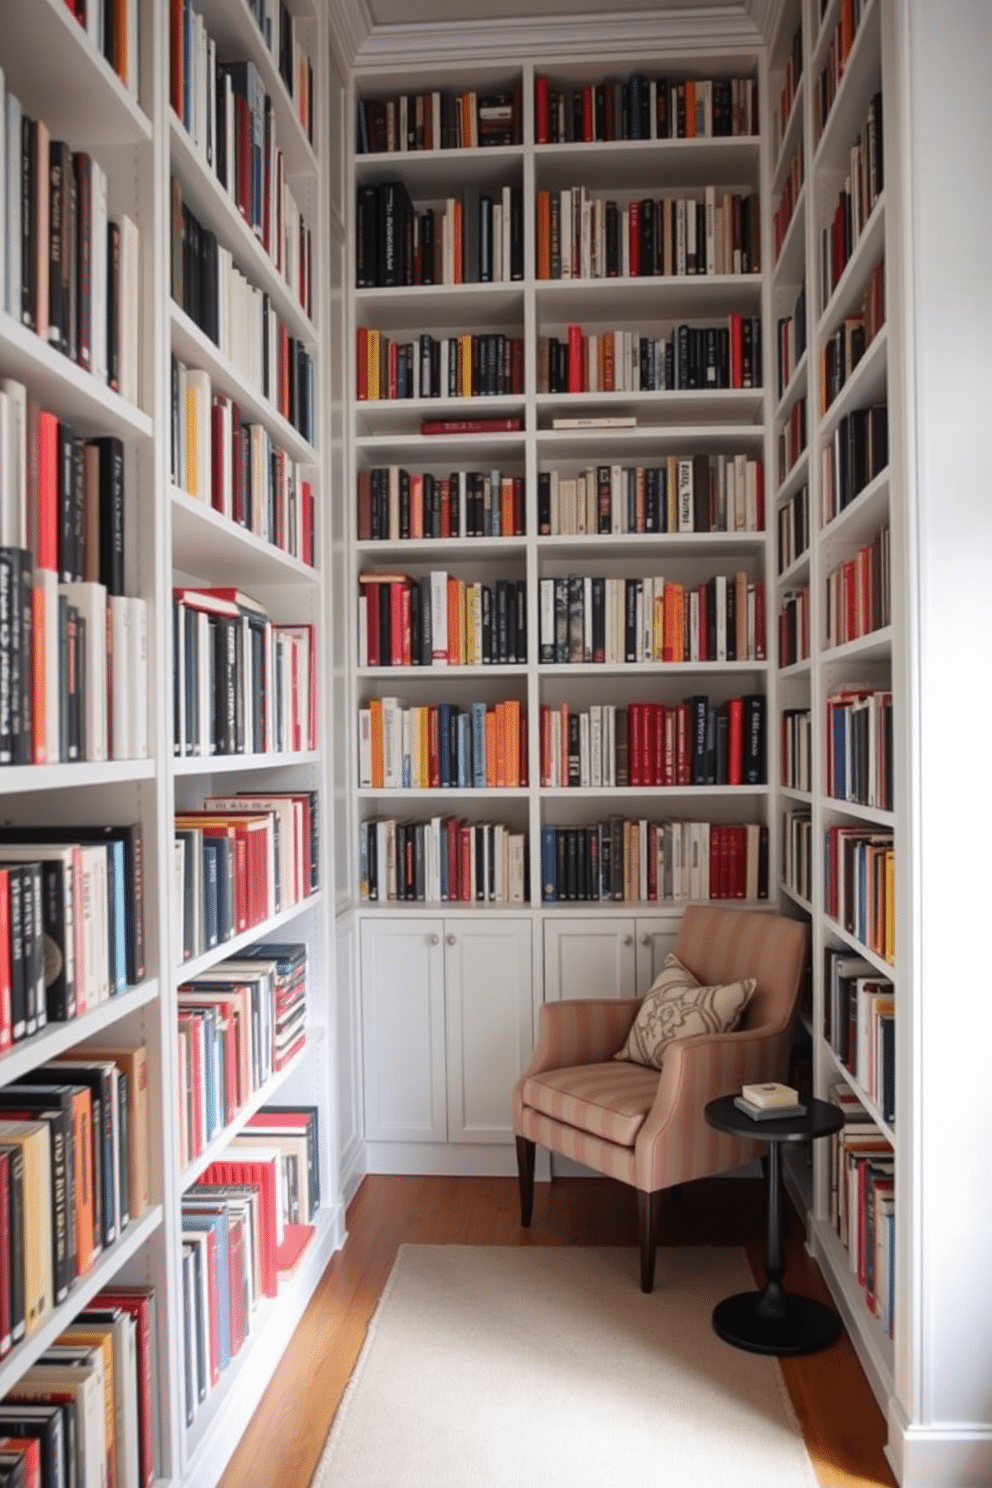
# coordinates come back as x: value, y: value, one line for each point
x: 841, y: 1422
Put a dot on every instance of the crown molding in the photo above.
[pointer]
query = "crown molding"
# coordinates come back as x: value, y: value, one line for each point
x: 766, y: 15
x: 350, y: 24
x: 616, y: 35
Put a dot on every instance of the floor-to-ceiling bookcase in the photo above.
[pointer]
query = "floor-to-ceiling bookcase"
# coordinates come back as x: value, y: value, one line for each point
x: 176, y: 534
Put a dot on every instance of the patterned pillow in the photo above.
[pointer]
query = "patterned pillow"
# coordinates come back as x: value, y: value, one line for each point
x: 677, y: 1007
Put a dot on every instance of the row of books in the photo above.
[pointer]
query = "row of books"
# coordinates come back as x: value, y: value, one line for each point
x: 440, y: 119
x: 74, y: 1173
x: 857, y: 453
x: 236, y: 466
x: 859, y: 885
x: 395, y: 504
x: 797, y: 851
x: 858, y: 592
x: 790, y: 438
x: 621, y: 361
x: 462, y: 365
x: 424, y: 747
x: 860, y: 746
x: 85, y: 1412
x: 236, y: 1242
x: 230, y: 120
x: 695, y: 742
x: 241, y: 684
x: 440, y: 620
x: 642, y: 108
x: 474, y: 238
x: 279, y: 29
x: 579, y: 235
x: 793, y: 626
x: 72, y: 930
x: 237, y: 1025
x: 793, y: 71
x: 856, y: 200
x: 112, y: 26
x: 843, y: 350
x: 443, y: 860
x: 849, y: 16
x: 683, y: 493
x: 241, y: 859
x: 238, y: 318
x: 790, y: 342
x: 793, y: 529
x: 859, y: 1025
x: 862, y: 1203
x: 589, y: 618
x: 72, y: 270
x: 639, y: 861
x: 788, y: 197
x: 795, y: 748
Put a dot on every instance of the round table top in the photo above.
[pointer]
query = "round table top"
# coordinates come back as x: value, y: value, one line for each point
x: 821, y: 1119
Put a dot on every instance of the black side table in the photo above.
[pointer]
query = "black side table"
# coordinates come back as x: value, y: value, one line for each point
x: 774, y: 1321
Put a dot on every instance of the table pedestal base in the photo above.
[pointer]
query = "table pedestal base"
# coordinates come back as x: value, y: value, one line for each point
x: 776, y: 1322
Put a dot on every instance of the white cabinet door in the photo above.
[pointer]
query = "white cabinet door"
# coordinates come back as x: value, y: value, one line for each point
x: 589, y: 958
x: 655, y: 938
x: 403, y: 1030
x: 490, y: 1023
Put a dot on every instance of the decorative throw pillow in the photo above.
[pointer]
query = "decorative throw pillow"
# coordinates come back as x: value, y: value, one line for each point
x: 677, y: 1007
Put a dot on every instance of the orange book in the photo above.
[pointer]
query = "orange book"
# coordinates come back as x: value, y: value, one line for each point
x: 455, y: 657
x: 506, y: 506
x: 690, y: 108
x: 543, y: 262
x: 465, y: 365
x: 492, y: 749
x: 512, y: 742
x: 457, y: 247
x: 375, y: 739
x: 416, y: 506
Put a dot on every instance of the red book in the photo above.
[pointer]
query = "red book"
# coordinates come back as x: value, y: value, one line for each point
x: 176, y: 55
x: 139, y: 1301
x: 445, y: 507
x: 759, y: 494
x: 469, y: 426
x: 576, y: 381
x: 668, y: 771
x: 736, y: 349
x: 652, y: 723
x: 759, y: 621
x: 434, y: 746
x: 239, y: 502
x: 396, y: 648
x: 256, y: 1173
x: 588, y: 114
x: 465, y: 875
x: 218, y: 454
x: 295, y: 1239
x: 28, y: 1447
x: 735, y: 741
x: 634, y: 238
x: 635, y: 758
x: 47, y: 531
x: 717, y: 835
x: 362, y: 362
x: 307, y: 522
x: 660, y: 739
x: 542, y: 112
x: 683, y: 751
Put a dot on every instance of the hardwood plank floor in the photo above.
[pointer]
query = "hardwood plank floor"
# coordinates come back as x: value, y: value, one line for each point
x: 841, y: 1422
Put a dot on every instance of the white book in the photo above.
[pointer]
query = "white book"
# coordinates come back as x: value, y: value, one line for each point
x: 609, y: 744
x: 129, y: 310
x: 585, y: 763
x: 710, y: 209
x: 138, y: 669
x: 118, y: 678
x: 505, y: 223
x: 392, y: 744
x: 646, y: 621
x: 587, y: 617
x: 90, y: 599
x: 721, y: 617
x: 9, y: 524
x: 15, y: 466
x: 84, y: 1382
x: 596, y: 745
x: 439, y: 617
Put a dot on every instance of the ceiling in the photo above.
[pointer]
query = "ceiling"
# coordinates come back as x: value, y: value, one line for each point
x: 430, y: 12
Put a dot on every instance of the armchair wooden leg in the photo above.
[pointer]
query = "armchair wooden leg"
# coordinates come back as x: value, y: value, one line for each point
x: 525, y: 1179
x: 648, y: 1211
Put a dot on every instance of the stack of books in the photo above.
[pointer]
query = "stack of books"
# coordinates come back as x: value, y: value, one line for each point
x: 769, y: 1101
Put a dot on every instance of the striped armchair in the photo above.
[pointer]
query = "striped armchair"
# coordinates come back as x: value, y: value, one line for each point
x: 646, y: 1127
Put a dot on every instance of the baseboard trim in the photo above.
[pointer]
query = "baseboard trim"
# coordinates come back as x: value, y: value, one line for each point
x: 957, y: 1456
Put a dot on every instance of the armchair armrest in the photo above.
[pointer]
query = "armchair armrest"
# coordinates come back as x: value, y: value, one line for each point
x: 581, y: 1031
x: 695, y: 1071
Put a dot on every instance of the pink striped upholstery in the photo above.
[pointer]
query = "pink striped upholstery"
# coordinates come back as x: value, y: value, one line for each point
x: 608, y: 1100
x: 566, y: 1101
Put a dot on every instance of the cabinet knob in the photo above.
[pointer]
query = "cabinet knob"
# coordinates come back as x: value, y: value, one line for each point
x: 645, y: 940
x: 628, y: 940
x: 452, y: 940
x: 433, y: 939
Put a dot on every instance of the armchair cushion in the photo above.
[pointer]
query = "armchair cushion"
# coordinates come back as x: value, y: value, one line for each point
x: 677, y: 1007
x: 605, y: 1100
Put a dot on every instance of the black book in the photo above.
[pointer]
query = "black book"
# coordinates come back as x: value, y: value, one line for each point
x: 516, y: 232
x: 21, y: 561
x: 113, y: 306
x: 68, y: 557
x: 111, y: 512
x: 698, y: 706
x: 34, y: 948
x: 15, y: 922
x: 520, y: 629
x: 754, y: 739
x: 60, y: 177
x: 9, y: 583
x: 29, y: 221
x: 42, y: 1420
x: 631, y: 587
x: 366, y: 213
x: 53, y: 1104
x: 98, y: 1077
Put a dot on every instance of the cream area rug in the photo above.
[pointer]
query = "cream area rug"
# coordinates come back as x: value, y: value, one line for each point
x: 500, y: 1367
